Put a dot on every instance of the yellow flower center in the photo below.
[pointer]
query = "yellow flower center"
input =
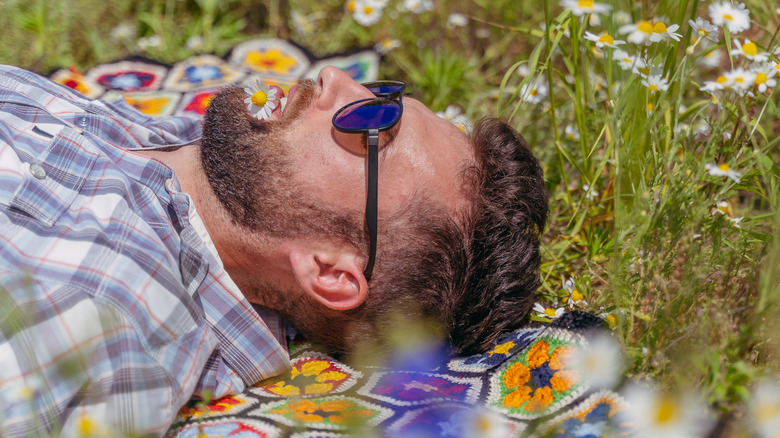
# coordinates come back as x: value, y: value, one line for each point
x: 703, y: 33
x: 750, y: 48
x: 534, y: 92
x: 627, y: 61
x: 659, y: 28
x: 585, y: 4
x: 665, y: 410
x: 611, y: 320
x: 724, y: 167
x: 351, y: 6
x: 259, y: 98
x: 767, y: 411
x: 739, y: 79
x: 549, y: 311
x: 606, y: 38
x: 653, y: 88
x: 576, y: 295
x: 727, y: 17
x: 645, y: 27
x: 721, y: 79
x: 368, y: 9
x: 644, y: 70
x: 650, y: 107
x: 760, y: 78
x: 723, y: 209
x: 86, y: 426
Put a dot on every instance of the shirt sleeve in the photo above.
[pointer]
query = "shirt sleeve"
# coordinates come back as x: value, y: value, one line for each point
x: 72, y: 362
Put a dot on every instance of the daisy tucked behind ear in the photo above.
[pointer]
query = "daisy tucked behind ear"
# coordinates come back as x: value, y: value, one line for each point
x: 262, y: 99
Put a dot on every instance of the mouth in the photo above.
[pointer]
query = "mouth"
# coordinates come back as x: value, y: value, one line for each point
x: 278, y: 112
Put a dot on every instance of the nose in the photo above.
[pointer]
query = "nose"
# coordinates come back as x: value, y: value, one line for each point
x: 338, y: 89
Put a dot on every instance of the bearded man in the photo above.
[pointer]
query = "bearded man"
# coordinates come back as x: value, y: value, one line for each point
x: 133, y: 249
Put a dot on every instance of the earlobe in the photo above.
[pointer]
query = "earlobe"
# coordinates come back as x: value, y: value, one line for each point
x: 334, y: 279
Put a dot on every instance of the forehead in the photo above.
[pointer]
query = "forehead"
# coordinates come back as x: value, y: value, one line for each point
x: 427, y: 157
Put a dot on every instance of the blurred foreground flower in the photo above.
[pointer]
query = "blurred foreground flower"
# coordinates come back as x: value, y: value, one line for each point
x: 764, y: 409
x: 600, y: 362
x: 657, y: 414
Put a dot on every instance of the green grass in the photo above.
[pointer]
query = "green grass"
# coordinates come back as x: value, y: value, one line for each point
x: 693, y: 296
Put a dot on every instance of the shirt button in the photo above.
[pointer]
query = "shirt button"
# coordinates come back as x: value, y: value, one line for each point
x: 169, y: 185
x: 83, y: 122
x: 37, y: 171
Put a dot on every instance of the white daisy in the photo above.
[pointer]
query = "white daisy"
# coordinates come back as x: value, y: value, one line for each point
x: 453, y: 114
x: 740, y: 80
x: 386, y: 45
x: 417, y: 6
x: 534, y: 91
x: 749, y: 50
x: 622, y: 17
x: 547, y: 312
x: 723, y: 169
x: 571, y: 132
x: 655, y: 83
x: 603, y: 40
x: 721, y: 207
x: 734, y: 16
x: 367, y: 12
x: 707, y: 33
x: 735, y: 221
x: 661, y: 32
x: 456, y: 20
x: 765, y: 73
x: 711, y: 60
x: 590, y: 193
x: 624, y: 60
x: 574, y: 297
x: 638, y: 33
x: 582, y: 7
x: 262, y: 99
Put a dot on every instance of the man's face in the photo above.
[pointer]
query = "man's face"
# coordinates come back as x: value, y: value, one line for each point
x: 295, y: 175
x: 423, y: 155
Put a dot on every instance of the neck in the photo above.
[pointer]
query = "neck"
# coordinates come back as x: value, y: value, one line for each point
x: 236, y: 247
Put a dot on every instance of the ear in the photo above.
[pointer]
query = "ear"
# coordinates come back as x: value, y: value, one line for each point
x: 334, y: 278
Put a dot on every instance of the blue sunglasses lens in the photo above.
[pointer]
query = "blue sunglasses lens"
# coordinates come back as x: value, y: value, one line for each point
x: 391, y: 89
x: 371, y: 114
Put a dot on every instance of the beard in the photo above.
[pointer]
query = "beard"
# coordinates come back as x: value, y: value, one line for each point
x: 251, y: 171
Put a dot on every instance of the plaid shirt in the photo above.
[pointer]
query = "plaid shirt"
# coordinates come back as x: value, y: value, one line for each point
x: 114, y: 309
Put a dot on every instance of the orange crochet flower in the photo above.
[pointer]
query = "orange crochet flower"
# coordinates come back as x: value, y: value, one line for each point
x: 539, y: 377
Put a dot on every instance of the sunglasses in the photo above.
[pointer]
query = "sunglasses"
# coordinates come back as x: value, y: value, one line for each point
x: 371, y: 116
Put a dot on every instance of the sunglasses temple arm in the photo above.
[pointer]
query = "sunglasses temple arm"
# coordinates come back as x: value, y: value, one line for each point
x: 371, y: 199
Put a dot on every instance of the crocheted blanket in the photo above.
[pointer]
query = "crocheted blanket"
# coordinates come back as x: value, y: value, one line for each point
x: 525, y: 383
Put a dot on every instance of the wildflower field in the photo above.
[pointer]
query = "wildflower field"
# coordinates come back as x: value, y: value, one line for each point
x: 656, y: 123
